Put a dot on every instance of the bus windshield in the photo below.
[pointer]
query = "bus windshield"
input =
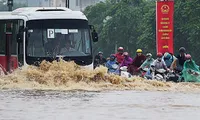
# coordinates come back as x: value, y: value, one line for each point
x: 52, y: 38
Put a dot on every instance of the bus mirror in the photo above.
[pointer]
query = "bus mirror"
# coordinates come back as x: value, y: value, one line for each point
x: 91, y: 27
x: 95, y: 36
x: 94, y: 33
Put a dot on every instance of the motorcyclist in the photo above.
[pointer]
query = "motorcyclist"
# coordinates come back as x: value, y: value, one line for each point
x: 156, y: 66
x: 119, y: 55
x: 110, y: 63
x: 178, y: 63
x: 127, y: 60
x: 99, y: 59
x: 137, y: 62
x: 145, y: 67
x: 189, y: 63
x: 159, y: 63
x: 168, y: 58
x: 147, y: 62
x: 191, y: 72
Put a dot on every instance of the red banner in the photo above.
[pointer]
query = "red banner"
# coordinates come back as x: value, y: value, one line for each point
x: 164, y: 26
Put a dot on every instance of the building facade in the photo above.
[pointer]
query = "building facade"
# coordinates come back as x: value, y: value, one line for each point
x: 52, y: 3
x: 73, y: 4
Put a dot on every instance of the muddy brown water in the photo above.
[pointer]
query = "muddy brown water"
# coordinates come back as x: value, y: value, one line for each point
x: 64, y: 91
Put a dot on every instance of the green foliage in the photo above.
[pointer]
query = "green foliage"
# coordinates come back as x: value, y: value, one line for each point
x: 133, y: 25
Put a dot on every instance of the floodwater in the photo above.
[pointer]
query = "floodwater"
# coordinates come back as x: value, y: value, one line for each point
x: 107, y: 105
x: 65, y: 91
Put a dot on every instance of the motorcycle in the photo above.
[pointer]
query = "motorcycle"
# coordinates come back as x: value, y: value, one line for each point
x: 159, y: 74
x: 174, y: 76
x: 192, y: 72
x: 191, y: 76
x: 114, y: 69
x: 143, y: 72
x: 124, y: 72
x: 98, y: 64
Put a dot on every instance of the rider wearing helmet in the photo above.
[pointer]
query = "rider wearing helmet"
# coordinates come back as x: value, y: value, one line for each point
x: 99, y: 59
x: 147, y: 62
x: 119, y: 55
x: 190, y: 71
x: 159, y: 62
x: 179, y: 62
x: 110, y: 63
x: 127, y: 60
x: 168, y: 58
x: 137, y: 62
x: 188, y: 57
x: 189, y: 63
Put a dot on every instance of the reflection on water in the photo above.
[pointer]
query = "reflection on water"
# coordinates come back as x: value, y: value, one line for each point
x: 107, y: 105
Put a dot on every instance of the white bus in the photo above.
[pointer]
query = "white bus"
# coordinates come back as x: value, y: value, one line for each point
x: 33, y: 34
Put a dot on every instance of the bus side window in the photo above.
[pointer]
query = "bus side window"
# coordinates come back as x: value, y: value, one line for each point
x: 2, y: 38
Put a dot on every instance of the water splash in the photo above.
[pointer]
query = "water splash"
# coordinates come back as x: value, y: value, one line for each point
x: 69, y: 76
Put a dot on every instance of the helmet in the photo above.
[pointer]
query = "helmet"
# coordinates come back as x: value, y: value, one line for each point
x: 159, y: 54
x: 138, y: 51
x: 100, y: 52
x: 148, y: 55
x: 120, y: 48
x: 112, y: 56
x: 125, y: 54
x: 188, y: 56
x: 182, y: 49
x: 167, y: 55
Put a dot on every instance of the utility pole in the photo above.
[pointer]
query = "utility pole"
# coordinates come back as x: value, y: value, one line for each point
x: 10, y: 5
x: 67, y: 3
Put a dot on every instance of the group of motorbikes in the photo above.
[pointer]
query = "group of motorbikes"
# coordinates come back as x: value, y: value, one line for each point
x: 154, y: 74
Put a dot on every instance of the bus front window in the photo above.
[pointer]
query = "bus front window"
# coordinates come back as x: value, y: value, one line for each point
x: 51, y: 38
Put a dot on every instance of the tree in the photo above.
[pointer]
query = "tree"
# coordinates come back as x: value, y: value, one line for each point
x: 133, y: 25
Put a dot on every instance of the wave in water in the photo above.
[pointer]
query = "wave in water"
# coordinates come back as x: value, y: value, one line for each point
x: 69, y: 76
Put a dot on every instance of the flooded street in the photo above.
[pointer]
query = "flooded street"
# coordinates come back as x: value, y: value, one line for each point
x: 62, y: 91
x: 107, y: 105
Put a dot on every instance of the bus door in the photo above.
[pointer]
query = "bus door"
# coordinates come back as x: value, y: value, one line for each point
x: 9, y: 30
